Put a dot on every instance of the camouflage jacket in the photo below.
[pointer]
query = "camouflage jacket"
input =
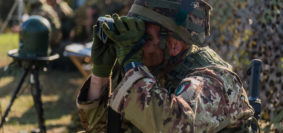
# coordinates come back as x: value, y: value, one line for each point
x: 200, y: 94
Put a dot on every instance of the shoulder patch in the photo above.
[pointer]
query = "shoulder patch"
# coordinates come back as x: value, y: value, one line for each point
x: 183, y: 87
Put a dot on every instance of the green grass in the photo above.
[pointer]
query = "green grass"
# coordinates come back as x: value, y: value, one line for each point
x: 7, y: 42
x: 58, y: 90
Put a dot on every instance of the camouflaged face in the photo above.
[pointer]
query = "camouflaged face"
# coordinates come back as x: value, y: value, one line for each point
x: 197, y: 22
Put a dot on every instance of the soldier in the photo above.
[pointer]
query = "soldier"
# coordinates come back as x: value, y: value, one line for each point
x: 41, y: 8
x: 65, y: 14
x: 170, y: 84
x: 83, y: 31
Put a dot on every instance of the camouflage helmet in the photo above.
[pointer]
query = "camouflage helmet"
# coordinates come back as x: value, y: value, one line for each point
x: 34, y: 37
x: 187, y: 19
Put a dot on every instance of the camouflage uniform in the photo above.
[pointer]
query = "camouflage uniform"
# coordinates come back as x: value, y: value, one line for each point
x: 65, y: 14
x: 195, y: 91
x: 63, y: 10
x: 208, y: 96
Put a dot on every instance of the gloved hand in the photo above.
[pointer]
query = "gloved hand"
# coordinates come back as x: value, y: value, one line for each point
x: 131, y: 31
x: 103, y: 56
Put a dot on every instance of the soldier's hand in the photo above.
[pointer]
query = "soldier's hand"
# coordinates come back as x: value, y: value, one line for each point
x: 131, y: 31
x: 103, y: 57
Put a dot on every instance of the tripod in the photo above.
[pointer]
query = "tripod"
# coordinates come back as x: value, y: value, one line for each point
x: 31, y: 66
x: 36, y: 94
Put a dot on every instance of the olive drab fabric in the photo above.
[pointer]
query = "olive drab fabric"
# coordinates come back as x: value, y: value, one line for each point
x: 189, y: 24
x: 103, y: 57
x: 35, y: 37
x: 126, y: 37
x: 196, y: 58
x: 205, y: 96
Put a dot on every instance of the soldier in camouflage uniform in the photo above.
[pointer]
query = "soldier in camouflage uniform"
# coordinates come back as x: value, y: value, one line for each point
x: 169, y: 85
x: 65, y: 14
x: 41, y: 8
x: 82, y: 32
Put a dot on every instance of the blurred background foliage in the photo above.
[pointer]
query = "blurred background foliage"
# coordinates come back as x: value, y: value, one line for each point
x: 243, y: 30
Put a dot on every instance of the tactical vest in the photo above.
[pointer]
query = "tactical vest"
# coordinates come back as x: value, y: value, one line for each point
x: 194, y: 58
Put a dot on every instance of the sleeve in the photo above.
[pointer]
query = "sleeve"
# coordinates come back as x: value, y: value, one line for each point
x: 218, y: 99
x: 93, y: 114
x: 201, y: 104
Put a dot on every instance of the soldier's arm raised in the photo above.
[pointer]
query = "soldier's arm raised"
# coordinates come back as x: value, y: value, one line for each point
x: 95, y: 87
x: 92, y: 104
